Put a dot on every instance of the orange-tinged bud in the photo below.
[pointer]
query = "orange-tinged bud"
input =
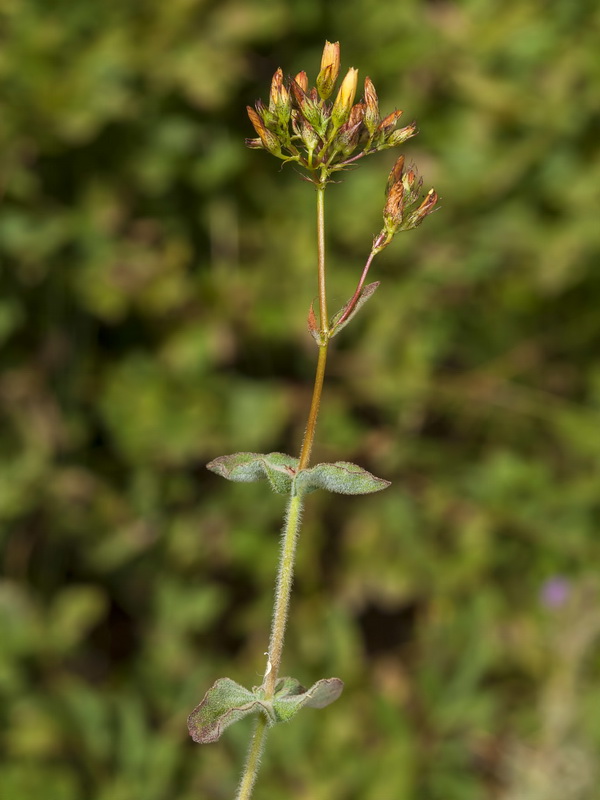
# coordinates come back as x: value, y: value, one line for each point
x: 388, y: 123
x: 372, y: 104
x: 345, y: 98
x: 357, y: 114
x: 394, y: 205
x: 269, y: 140
x: 426, y: 207
x: 396, y: 173
x: 330, y: 69
x: 279, y: 100
x: 302, y: 80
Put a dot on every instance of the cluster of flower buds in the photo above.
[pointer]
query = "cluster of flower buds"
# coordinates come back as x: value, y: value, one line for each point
x: 404, y: 208
x: 322, y: 135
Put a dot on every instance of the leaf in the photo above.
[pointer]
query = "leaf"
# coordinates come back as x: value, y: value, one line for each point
x: 367, y: 292
x: 278, y: 468
x: 290, y: 696
x: 342, y: 477
x: 225, y: 703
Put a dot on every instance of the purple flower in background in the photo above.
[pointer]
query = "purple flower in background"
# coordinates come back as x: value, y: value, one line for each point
x: 555, y: 592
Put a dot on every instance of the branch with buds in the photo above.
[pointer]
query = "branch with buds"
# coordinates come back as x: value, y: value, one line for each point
x: 322, y: 137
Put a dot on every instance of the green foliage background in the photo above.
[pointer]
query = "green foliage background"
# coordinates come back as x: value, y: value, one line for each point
x: 155, y: 280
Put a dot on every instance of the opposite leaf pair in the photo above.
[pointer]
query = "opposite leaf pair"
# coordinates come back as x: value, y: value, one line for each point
x: 281, y: 471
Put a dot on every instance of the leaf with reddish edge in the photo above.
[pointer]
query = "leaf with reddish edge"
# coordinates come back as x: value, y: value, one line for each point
x: 225, y: 703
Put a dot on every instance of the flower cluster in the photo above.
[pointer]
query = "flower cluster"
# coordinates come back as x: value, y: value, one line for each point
x: 322, y: 135
x: 404, y: 209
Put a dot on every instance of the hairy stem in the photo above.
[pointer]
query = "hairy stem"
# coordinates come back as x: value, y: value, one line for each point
x: 292, y: 522
x: 282, y: 593
x: 253, y: 761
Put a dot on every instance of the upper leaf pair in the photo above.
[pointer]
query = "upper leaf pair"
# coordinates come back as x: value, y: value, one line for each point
x: 282, y: 473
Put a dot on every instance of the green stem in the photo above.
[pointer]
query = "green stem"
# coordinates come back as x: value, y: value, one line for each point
x: 292, y: 523
x: 253, y: 761
x: 282, y: 593
x: 309, y: 434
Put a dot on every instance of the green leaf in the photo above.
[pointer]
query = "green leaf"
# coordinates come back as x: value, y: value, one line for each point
x: 367, y: 292
x: 224, y: 703
x: 342, y: 477
x: 290, y: 696
x: 278, y: 468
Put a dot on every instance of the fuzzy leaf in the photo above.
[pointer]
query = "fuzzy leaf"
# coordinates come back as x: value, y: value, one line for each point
x: 290, y: 696
x: 341, y: 477
x: 278, y: 468
x: 224, y: 703
x: 367, y: 292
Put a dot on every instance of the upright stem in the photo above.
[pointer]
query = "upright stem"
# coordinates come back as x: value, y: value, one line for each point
x: 282, y: 593
x: 309, y: 434
x: 257, y: 744
x: 321, y: 256
x: 292, y: 522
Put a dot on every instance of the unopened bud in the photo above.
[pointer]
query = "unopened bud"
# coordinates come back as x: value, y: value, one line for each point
x: 345, y: 98
x: 387, y: 125
x: 357, y: 114
x: 267, y: 137
x: 426, y: 207
x: 302, y: 80
x: 279, y: 100
x: 348, y: 136
x: 396, y: 173
x: 412, y: 183
x: 307, y: 107
x: 330, y: 69
x: 394, y: 206
x: 400, y: 136
x: 308, y: 135
x: 372, y: 107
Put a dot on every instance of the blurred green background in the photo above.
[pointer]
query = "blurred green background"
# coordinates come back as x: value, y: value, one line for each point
x: 155, y: 280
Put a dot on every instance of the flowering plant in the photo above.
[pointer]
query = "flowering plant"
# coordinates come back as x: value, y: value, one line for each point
x: 322, y: 137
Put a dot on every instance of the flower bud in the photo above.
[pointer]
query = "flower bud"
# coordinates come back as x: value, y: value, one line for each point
x: 387, y: 125
x: 394, y: 207
x: 267, y: 137
x: 279, y: 100
x: 372, y: 107
x: 307, y: 107
x: 345, y: 98
x: 330, y: 69
x: 395, y: 175
x: 308, y: 135
x: 426, y: 207
x: 399, y: 137
x: 302, y: 80
x: 348, y: 136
